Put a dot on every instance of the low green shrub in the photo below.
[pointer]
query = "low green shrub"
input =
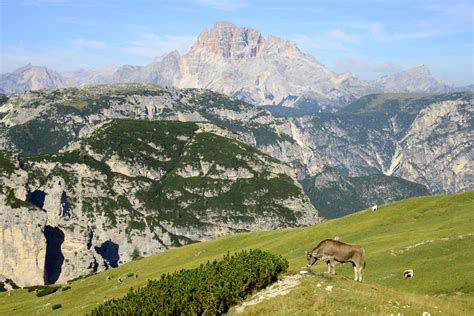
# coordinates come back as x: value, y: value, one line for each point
x: 13, y: 284
x: 3, y: 285
x: 77, y: 278
x: 66, y: 288
x: 47, y: 290
x: 136, y: 254
x: 56, y: 306
x: 210, y: 289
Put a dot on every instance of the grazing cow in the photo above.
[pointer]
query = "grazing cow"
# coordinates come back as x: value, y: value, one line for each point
x: 375, y: 208
x: 330, y: 250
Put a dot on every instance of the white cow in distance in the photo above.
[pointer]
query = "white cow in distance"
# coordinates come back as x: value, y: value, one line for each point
x: 375, y: 208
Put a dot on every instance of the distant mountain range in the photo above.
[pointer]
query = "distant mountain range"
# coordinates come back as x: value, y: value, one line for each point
x: 240, y: 62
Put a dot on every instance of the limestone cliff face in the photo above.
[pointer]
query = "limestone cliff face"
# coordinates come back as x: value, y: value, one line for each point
x: 229, y: 42
x: 432, y: 147
x: 22, y: 240
x: 448, y: 161
x: 23, y: 245
x: 369, y: 137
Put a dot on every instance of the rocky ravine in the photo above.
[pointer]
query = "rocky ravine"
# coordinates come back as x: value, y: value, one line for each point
x: 138, y: 185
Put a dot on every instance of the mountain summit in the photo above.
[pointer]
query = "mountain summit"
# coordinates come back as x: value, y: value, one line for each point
x: 241, y: 62
x: 31, y: 77
x: 418, y: 78
x: 229, y: 42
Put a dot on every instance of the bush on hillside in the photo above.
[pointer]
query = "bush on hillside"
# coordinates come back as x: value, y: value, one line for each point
x: 56, y: 306
x: 47, y: 290
x: 211, y: 288
x: 136, y: 254
x: 3, y: 284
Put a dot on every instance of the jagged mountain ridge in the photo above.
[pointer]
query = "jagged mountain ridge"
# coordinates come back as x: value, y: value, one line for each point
x: 137, y: 184
x: 240, y: 62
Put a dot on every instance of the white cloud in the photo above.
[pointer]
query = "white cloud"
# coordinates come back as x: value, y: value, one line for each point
x: 420, y: 31
x: 15, y: 56
x: 359, y: 65
x: 151, y: 45
x: 223, y: 5
x: 332, y: 40
x: 455, y: 11
x: 342, y: 36
x: 57, y: 58
x: 85, y: 43
x: 89, y: 53
x: 386, y: 67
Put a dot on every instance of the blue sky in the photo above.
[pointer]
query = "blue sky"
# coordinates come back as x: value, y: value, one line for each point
x: 369, y: 38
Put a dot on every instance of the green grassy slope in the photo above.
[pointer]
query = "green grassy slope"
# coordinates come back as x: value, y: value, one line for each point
x: 420, y: 233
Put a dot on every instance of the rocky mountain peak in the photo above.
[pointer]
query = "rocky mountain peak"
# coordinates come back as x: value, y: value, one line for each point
x: 30, y: 68
x: 30, y: 77
x: 278, y: 45
x: 418, y: 78
x: 229, y: 41
x: 25, y: 68
x: 421, y: 69
x: 173, y: 55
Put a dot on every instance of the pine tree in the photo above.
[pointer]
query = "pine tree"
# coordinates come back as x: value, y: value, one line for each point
x: 136, y: 254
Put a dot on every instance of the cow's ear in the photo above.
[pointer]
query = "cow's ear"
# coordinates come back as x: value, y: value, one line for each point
x: 305, y: 252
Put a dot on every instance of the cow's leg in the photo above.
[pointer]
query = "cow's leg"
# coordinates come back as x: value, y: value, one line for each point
x: 331, y: 262
x: 360, y: 273
x: 329, y: 266
x: 356, y: 270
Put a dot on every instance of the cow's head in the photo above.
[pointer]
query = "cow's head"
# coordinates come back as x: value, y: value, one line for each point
x: 311, y: 258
